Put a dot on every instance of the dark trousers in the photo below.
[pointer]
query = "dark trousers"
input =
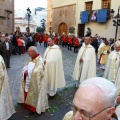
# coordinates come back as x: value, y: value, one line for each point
x: 75, y: 49
x: 20, y: 50
x: 6, y: 58
x: 45, y: 44
x: 69, y: 46
x: 64, y: 44
x: 40, y: 43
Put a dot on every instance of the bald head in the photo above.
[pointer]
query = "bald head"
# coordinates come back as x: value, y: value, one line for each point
x: 32, y: 51
x: 33, y: 48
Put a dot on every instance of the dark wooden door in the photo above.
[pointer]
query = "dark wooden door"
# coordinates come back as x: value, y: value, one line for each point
x: 62, y: 28
x: 81, y: 30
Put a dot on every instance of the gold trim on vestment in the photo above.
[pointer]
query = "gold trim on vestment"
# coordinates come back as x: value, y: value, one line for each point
x: 35, y: 83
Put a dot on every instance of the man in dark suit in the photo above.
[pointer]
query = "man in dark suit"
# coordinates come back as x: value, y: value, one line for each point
x: 6, y: 49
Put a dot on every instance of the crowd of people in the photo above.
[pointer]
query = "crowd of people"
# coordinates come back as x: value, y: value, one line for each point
x: 95, y: 99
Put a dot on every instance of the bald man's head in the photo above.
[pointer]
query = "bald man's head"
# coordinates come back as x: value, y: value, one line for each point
x: 32, y: 51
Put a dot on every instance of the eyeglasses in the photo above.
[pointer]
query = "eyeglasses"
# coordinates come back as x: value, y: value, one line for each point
x: 86, y: 115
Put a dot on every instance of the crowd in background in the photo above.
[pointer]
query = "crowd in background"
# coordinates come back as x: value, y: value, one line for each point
x: 22, y: 41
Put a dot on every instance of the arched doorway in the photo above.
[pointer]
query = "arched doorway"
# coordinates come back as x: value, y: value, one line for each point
x: 62, y: 28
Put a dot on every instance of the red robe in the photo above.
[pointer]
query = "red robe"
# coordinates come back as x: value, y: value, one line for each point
x: 70, y: 40
x: 64, y: 38
x: 36, y: 38
x: 56, y: 40
x: 76, y: 42
x: 45, y: 38
x: 40, y: 38
x: 25, y: 94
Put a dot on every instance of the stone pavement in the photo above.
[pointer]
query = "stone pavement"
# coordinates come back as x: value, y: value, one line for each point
x: 14, y: 73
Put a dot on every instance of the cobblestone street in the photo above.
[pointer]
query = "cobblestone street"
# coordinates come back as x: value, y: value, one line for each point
x: 14, y: 73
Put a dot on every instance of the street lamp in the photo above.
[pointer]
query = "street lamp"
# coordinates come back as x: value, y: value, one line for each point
x: 116, y: 21
x: 29, y: 14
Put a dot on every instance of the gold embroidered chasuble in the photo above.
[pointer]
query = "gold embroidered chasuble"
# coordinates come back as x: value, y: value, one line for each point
x: 37, y: 94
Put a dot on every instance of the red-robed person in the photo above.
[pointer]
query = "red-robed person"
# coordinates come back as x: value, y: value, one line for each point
x: 69, y: 41
x: 36, y: 37
x: 76, y: 44
x: 64, y: 40
x: 40, y: 38
x: 55, y: 40
x: 45, y: 39
x: 33, y: 85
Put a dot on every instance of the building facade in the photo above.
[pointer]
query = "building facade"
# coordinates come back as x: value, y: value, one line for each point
x: 105, y: 29
x: 6, y: 16
x: 49, y: 16
x: 22, y: 25
x: 67, y: 16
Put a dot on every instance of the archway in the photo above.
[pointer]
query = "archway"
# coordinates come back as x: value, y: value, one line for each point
x: 62, y: 28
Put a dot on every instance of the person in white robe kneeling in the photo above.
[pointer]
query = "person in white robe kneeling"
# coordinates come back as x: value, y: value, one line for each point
x: 54, y: 73
x: 85, y: 66
x: 33, y: 91
x: 113, y: 63
x: 6, y: 104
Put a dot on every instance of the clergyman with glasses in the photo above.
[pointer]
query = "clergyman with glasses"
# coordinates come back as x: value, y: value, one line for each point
x: 94, y: 100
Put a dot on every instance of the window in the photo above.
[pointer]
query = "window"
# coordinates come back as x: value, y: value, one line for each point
x: 88, y: 5
x: 106, y: 4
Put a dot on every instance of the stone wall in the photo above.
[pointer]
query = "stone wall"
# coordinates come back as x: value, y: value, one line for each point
x: 6, y: 16
x: 65, y: 14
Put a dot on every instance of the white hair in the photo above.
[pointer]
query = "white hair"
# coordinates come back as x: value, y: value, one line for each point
x: 107, y: 88
x: 34, y: 49
x: 117, y: 43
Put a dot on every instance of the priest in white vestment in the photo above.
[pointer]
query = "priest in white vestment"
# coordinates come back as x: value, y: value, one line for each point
x: 54, y: 73
x: 85, y: 66
x: 33, y: 91
x: 113, y: 63
x: 6, y: 104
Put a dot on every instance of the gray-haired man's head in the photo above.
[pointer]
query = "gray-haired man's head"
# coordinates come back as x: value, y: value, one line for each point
x: 95, y: 100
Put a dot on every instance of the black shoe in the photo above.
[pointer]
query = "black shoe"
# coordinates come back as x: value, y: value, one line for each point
x: 8, y: 66
x: 31, y: 113
x: 51, y: 97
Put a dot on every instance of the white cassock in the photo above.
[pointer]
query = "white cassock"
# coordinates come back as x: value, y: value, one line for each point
x: 6, y: 104
x: 54, y: 73
x: 112, y: 66
x: 117, y: 81
x: 87, y: 68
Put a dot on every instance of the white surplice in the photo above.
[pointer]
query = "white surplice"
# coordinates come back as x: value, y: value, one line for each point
x: 6, y: 104
x: 112, y: 66
x: 54, y: 73
x: 87, y: 68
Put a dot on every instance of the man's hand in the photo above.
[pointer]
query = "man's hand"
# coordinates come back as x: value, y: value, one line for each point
x: 26, y: 72
x: 81, y: 60
x: 44, y: 62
